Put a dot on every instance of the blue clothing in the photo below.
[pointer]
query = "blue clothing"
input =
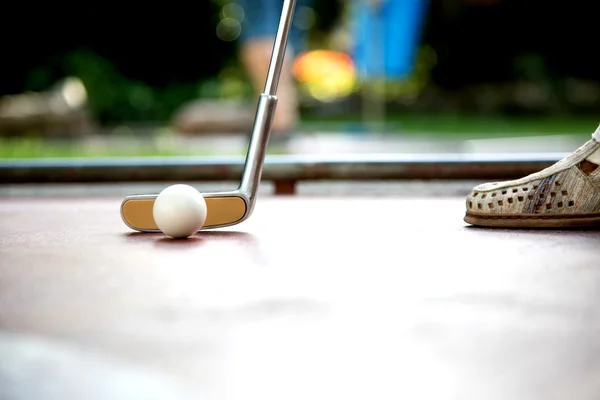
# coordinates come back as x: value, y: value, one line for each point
x: 262, y: 17
x: 387, y: 37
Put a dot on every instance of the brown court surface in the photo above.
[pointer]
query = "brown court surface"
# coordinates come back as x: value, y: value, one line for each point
x: 315, y: 297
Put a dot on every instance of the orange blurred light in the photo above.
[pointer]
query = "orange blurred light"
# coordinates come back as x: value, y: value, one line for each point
x: 326, y: 74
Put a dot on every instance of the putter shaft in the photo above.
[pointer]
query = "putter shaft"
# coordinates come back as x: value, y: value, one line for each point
x: 231, y: 208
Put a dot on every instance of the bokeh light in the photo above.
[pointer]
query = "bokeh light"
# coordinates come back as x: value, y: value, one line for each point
x: 327, y: 75
x: 229, y: 29
x: 305, y: 18
x: 234, y: 11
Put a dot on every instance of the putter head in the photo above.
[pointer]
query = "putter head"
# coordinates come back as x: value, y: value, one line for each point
x: 230, y: 208
x: 223, y: 209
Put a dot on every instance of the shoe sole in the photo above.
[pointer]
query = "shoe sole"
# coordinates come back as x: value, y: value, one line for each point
x: 534, y: 221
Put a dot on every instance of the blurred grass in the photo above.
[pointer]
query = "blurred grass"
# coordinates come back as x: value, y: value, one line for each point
x: 470, y: 126
x: 99, y: 148
x: 40, y: 148
x: 164, y: 144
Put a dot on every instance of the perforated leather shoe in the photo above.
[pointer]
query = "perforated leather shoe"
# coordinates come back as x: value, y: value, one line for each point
x: 566, y: 194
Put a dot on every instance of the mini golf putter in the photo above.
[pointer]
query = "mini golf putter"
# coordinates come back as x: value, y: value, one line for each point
x: 231, y: 208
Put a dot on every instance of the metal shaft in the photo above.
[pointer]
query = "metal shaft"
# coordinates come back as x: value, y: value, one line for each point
x: 266, y: 107
x: 280, y: 46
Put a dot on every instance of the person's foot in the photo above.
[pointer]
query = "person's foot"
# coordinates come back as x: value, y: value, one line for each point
x: 567, y: 194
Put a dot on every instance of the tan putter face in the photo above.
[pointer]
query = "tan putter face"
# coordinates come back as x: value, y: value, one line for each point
x: 230, y: 208
x: 221, y: 211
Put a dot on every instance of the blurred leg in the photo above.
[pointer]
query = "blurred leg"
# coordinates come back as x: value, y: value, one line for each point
x: 258, y: 34
x: 255, y: 55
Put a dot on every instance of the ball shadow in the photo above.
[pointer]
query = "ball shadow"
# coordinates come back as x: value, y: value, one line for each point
x: 165, y: 241
x: 198, y: 239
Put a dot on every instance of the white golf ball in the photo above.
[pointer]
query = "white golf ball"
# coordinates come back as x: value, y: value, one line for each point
x: 179, y: 211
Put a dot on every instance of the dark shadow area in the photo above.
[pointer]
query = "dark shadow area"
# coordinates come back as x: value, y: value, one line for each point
x: 177, y: 243
x: 591, y: 231
x: 197, y: 239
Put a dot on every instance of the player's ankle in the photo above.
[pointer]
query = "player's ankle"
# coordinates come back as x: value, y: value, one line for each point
x: 596, y: 135
x: 595, y: 156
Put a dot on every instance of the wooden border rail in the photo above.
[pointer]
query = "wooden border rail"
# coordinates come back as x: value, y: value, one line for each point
x: 283, y: 170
